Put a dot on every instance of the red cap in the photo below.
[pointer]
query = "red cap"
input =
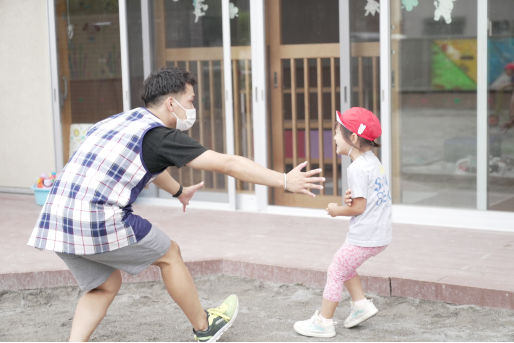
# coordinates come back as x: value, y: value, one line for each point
x: 510, y: 66
x: 361, y: 122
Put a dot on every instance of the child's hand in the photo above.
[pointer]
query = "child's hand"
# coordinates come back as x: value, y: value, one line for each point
x: 332, y: 209
x: 187, y: 194
x: 348, y: 197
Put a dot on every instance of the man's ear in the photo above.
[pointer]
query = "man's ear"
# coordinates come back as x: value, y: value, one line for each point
x: 169, y: 104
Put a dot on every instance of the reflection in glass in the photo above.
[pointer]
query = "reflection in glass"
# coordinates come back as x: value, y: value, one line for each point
x: 310, y: 92
x: 135, y: 52
x: 189, y: 35
x: 191, y: 38
x: 365, y: 61
x: 434, y: 103
x: 501, y: 106
x: 307, y: 21
x: 88, y: 46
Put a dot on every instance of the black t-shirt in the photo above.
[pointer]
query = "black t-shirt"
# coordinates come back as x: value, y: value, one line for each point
x: 164, y: 147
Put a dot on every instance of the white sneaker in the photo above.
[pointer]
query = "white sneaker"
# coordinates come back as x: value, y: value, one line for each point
x: 316, y: 327
x: 361, y: 311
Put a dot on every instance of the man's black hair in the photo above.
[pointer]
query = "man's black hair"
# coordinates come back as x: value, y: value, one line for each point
x: 164, y: 82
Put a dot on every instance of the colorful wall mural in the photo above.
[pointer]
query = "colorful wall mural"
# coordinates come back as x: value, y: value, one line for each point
x: 454, y: 64
x: 501, y: 52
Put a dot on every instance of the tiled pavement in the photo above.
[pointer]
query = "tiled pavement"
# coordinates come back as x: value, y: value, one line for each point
x: 436, y: 263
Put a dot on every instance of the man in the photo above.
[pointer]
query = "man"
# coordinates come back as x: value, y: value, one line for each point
x: 88, y: 221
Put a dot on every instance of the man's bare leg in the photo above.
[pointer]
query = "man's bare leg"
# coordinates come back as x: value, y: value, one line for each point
x: 181, y: 287
x: 92, y: 307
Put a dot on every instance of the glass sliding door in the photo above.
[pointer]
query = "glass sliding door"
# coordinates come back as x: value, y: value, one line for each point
x: 88, y: 46
x: 304, y: 79
x: 501, y: 105
x: 189, y: 35
x: 310, y: 60
x: 433, y: 102
x: 365, y: 58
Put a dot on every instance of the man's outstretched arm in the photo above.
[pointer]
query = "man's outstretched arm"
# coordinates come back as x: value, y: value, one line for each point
x: 247, y: 170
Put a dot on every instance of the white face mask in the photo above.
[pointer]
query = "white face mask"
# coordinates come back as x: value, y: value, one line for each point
x: 185, y: 124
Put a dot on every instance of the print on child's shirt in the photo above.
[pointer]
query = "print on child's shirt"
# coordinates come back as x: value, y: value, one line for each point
x: 382, y: 190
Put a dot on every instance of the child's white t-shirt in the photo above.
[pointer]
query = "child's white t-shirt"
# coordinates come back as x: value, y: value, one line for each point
x: 367, y: 179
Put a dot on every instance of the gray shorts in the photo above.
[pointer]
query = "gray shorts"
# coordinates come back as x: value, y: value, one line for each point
x: 91, y: 271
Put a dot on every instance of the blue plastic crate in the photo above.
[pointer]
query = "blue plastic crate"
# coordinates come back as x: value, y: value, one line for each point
x: 40, y: 194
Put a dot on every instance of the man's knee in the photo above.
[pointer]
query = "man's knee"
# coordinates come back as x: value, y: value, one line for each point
x: 172, y: 255
x: 112, y: 285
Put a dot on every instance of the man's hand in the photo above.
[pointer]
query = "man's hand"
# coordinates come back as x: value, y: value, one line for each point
x: 302, y: 182
x: 348, y: 197
x: 332, y: 209
x: 187, y: 194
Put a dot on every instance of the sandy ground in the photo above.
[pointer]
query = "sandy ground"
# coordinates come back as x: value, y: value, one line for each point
x: 144, y: 312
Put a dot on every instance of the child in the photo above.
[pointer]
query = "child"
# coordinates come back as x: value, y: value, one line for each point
x: 88, y: 220
x: 370, y: 226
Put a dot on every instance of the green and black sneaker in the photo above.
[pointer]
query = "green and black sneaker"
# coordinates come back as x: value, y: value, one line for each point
x: 219, y: 319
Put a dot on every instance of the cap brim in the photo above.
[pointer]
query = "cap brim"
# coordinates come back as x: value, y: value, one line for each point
x: 339, y: 117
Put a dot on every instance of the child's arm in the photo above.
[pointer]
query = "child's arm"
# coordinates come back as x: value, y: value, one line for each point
x: 348, y: 197
x: 358, y: 207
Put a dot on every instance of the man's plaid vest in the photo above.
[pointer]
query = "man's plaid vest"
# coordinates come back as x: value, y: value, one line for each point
x: 88, y: 209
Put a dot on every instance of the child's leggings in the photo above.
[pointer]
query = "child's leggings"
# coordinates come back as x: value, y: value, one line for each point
x: 343, y: 268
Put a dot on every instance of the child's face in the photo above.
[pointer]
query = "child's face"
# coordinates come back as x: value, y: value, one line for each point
x: 342, y: 147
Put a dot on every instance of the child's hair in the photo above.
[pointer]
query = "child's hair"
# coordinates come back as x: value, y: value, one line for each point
x: 362, y: 141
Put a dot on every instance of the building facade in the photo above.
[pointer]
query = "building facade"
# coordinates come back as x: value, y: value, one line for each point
x: 271, y: 74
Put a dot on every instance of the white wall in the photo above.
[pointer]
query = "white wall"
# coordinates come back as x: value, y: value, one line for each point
x: 26, y: 129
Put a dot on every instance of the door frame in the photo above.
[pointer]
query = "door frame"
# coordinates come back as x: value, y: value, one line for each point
x: 345, y: 72
x: 482, y: 93
x: 124, y: 55
x: 385, y: 92
x: 259, y: 98
x: 54, y: 78
x: 62, y: 111
x: 228, y: 93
